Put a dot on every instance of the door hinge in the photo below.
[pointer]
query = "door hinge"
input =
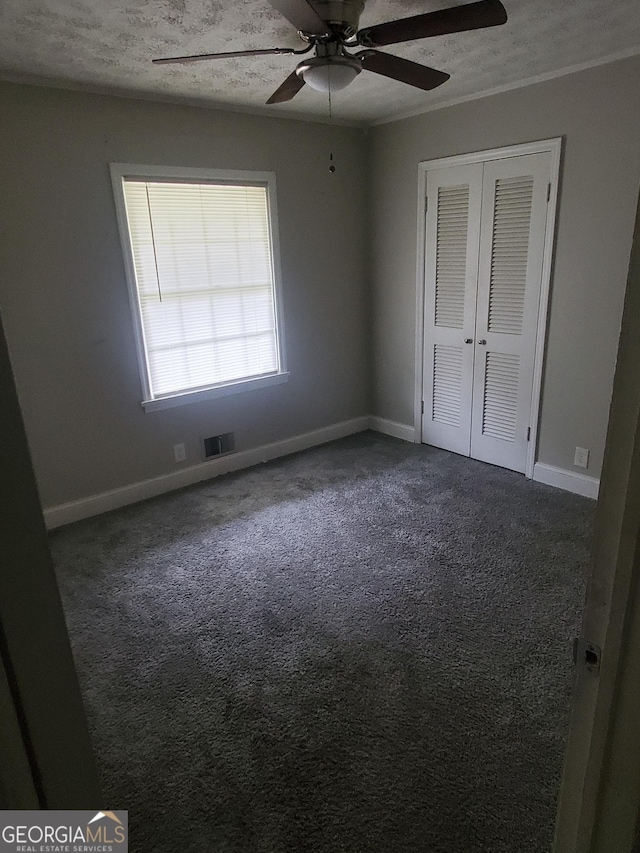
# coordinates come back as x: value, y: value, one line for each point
x: 587, y: 654
x: 548, y: 192
x: 528, y: 433
x: 426, y: 203
x: 422, y: 406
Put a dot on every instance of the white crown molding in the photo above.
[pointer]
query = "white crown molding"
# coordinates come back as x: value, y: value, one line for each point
x: 509, y: 87
x: 362, y: 124
x: 176, y: 100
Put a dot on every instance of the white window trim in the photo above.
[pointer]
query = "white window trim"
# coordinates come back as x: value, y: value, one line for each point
x: 122, y: 171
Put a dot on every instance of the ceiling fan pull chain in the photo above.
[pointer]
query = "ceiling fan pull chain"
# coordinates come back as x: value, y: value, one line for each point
x: 332, y: 168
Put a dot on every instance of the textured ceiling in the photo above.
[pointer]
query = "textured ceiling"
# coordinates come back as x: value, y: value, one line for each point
x: 109, y: 46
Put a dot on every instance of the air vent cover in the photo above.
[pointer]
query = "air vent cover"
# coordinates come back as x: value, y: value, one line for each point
x: 218, y: 444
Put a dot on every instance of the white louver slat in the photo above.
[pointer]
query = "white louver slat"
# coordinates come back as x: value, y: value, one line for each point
x: 447, y: 385
x: 451, y: 256
x: 500, y: 403
x: 509, y: 254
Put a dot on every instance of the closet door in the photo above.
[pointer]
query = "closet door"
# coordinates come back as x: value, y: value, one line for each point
x: 454, y: 198
x: 513, y: 219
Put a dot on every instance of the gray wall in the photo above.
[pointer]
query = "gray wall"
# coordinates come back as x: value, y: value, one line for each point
x: 64, y: 300
x: 598, y: 113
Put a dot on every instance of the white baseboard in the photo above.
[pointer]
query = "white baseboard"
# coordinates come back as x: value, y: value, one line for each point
x: 568, y: 480
x: 66, y: 513
x: 403, y: 431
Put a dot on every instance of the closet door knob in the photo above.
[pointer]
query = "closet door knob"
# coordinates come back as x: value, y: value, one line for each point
x: 482, y: 341
x: 468, y: 340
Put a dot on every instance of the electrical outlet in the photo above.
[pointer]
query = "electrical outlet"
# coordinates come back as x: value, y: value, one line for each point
x: 180, y: 452
x: 581, y: 459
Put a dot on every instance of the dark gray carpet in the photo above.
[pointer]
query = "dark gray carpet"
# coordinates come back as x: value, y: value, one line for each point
x: 363, y: 648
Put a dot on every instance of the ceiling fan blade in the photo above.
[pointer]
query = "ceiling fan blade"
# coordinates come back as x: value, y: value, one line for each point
x: 404, y: 70
x: 228, y: 55
x: 302, y: 15
x: 287, y: 90
x: 471, y: 16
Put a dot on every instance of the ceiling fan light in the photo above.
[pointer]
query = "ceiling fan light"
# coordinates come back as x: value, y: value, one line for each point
x: 329, y: 73
x: 329, y: 77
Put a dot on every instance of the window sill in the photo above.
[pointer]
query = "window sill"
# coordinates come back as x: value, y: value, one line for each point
x: 201, y: 396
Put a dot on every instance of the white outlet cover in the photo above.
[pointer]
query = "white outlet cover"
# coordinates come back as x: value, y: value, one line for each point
x: 179, y: 452
x: 581, y: 458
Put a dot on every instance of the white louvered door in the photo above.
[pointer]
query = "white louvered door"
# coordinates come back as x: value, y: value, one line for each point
x: 483, y: 270
x: 453, y: 230
x: 513, y: 219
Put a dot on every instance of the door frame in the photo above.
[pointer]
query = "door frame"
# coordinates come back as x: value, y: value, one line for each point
x: 50, y: 762
x: 599, y: 800
x: 554, y: 148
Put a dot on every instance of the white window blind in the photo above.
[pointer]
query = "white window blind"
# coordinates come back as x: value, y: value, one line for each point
x: 203, y: 260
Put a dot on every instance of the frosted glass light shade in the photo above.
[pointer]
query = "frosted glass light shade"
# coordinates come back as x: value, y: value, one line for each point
x: 334, y: 74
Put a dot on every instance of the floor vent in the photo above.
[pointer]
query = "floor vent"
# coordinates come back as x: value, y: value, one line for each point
x: 218, y: 444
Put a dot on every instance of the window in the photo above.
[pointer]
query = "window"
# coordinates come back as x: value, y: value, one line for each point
x: 202, y: 264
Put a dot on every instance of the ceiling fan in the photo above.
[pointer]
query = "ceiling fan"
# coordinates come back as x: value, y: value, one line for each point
x: 329, y: 27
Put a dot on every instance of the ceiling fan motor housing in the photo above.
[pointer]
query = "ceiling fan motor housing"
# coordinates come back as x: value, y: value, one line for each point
x: 341, y: 15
